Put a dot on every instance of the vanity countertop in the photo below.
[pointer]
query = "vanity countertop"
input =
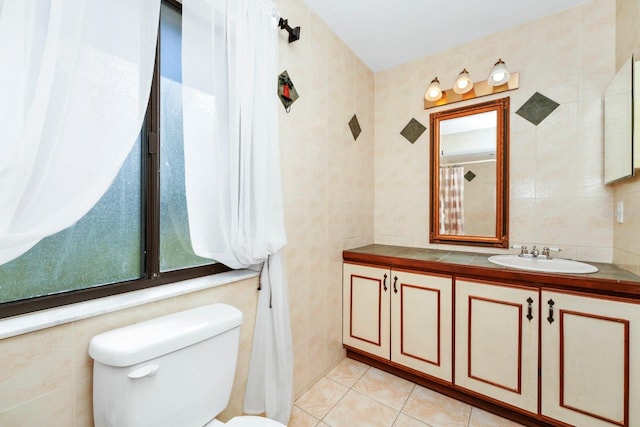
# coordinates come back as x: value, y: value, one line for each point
x: 609, y: 279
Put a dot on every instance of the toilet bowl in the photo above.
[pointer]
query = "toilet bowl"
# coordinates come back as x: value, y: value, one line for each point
x: 246, y: 421
x: 175, y: 370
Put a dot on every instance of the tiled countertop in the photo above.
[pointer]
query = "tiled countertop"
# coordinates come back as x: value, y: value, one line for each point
x: 608, y: 279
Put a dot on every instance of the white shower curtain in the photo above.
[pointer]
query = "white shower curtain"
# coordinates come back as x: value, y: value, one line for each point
x: 451, y: 200
x: 75, y: 77
x: 232, y: 163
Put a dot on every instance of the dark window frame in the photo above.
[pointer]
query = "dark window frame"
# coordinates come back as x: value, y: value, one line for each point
x: 150, y: 239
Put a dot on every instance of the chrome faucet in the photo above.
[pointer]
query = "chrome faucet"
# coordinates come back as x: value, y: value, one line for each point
x: 535, y: 252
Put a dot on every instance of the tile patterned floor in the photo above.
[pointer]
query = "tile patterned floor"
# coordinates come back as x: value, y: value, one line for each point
x: 356, y: 395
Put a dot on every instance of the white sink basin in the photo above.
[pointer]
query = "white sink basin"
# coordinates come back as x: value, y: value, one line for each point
x: 553, y: 265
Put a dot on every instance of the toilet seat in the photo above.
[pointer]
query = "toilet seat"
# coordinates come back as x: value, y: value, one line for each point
x: 251, y: 421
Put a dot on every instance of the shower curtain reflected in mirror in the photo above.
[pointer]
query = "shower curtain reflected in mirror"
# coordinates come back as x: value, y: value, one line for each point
x: 451, y: 200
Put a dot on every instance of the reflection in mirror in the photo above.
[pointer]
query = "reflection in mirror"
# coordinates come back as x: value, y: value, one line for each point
x: 468, y: 175
x: 618, y: 125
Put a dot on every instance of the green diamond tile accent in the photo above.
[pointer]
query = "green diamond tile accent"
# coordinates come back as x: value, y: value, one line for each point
x: 537, y: 108
x: 413, y: 130
x: 354, y: 125
x: 469, y: 176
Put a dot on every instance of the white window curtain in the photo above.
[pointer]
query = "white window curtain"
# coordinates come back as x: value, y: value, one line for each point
x: 451, y: 200
x: 232, y: 163
x: 75, y: 77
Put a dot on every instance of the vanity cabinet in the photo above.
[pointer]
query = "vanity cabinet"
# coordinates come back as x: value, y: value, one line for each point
x: 497, y: 341
x: 399, y: 316
x: 590, y: 360
x: 543, y: 349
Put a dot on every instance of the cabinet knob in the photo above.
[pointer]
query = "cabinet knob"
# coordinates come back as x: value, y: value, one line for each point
x: 384, y: 283
x: 529, y: 309
x: 395, y: 288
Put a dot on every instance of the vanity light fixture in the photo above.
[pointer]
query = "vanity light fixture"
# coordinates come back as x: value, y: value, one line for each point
x: 434, y: 92
x: 463, y: 83
x: 499, y: 74
x: 500, y: 80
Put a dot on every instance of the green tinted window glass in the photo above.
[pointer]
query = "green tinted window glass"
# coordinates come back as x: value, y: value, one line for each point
x: 102, y: 247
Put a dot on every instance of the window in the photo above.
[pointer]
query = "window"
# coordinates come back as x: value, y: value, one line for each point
x: 137, y: 235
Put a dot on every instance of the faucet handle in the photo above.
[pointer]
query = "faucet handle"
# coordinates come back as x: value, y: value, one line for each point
x: 523, y: 249
x: 547, y: 249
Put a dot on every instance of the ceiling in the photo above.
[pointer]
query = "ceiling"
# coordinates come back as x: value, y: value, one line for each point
x: 386, y: 33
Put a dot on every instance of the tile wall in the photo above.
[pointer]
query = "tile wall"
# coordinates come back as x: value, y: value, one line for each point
x: 557, y: 195
x: 328, y: 184
x: 46, y: 376
x: 626, y: 252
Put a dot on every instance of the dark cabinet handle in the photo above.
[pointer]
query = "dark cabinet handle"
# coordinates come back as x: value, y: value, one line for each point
x: 550, y: 319
x: 529, y: 315
x: 384, y: 283
x: 395, y: 288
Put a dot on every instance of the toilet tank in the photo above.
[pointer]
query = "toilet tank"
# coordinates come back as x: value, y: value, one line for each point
x: 175, y: 370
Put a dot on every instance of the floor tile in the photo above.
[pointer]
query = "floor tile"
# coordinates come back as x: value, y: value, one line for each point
x: 347, y: 372
x: 384, y: 387
x: 356, y: 409
x: 321, y: 397
x: 300, y: 418
x: 436, y: 409
x: 356, y: 395
x: 405, y: 420
x: 480, y: 418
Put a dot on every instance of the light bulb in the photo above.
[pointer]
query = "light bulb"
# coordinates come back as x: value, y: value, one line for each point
x: 434, y: 92
x: 463, y: 83
x: 499, y: 74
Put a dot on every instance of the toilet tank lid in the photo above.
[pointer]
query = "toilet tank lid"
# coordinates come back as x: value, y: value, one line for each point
x: 156, y: 337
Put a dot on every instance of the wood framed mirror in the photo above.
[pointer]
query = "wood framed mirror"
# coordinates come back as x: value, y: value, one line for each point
x: 470, y: 175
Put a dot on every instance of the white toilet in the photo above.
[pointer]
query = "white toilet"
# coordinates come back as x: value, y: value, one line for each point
x: 173, y: 371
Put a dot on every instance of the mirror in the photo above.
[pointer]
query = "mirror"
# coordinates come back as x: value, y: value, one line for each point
x: 469, y: 175
x: 618, y: 125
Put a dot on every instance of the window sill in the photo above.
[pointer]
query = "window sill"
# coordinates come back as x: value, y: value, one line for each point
x: 25, y: 323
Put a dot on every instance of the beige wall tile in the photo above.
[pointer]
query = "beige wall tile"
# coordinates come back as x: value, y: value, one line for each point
x: 556, y: 164
x: 329, y: 191
x: 34, y: 365
x: 83, y: 403
x: 52, y: 366
x: 54, y: 409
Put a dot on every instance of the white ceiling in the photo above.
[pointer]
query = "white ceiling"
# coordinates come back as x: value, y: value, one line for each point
x: 386, y: 33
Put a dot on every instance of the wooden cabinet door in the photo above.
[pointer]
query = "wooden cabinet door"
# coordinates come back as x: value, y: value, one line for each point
x: 366, y: 307
x: 590, y: 357
x: 421, y: 323
x: 496, y: 344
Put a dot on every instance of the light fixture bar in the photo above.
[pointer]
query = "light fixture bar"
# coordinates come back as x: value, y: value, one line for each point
x: 480, y: 89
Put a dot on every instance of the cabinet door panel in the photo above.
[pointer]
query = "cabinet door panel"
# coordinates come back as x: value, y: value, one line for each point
x: 495, y: 337
x: 496, y: 344
x: 587, y: 349
x: 421, y: 336
x: 366, y: 309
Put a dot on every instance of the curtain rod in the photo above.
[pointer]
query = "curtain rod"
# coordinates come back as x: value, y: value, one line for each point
x: 294, y: 33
